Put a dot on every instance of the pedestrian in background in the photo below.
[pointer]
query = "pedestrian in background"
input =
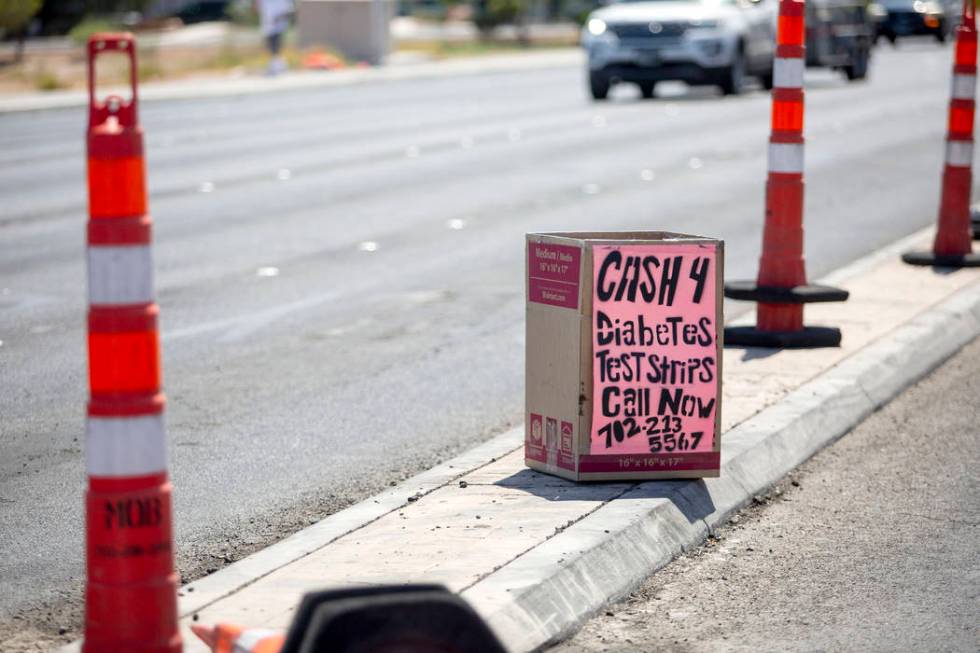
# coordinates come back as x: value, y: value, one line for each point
x: 274, y: 18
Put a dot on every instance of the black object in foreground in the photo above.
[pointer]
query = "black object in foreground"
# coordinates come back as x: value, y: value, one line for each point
x: 388, y: 619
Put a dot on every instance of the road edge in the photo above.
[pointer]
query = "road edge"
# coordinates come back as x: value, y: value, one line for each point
x: 226, y: 87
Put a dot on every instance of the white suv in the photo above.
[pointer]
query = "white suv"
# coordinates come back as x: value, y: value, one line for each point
x: 696, y: 41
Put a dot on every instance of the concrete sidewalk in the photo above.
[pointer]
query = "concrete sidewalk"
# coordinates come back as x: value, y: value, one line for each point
x: 536, y: 555
x: 250, y: 85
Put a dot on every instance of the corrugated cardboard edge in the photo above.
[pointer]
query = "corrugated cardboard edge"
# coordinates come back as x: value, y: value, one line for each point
x: 544, y: 596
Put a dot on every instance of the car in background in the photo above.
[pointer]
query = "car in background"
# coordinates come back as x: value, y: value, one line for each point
x: 203, y: 11
x: 701, y: 42
x: 914, y: 17
x: 840, y: 35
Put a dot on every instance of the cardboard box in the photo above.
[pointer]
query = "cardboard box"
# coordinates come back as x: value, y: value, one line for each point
x: 623, y: 364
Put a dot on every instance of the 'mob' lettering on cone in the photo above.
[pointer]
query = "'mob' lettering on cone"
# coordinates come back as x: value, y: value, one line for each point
x: 953, y: 246
x: 131, y: 587
x: 781, y: 288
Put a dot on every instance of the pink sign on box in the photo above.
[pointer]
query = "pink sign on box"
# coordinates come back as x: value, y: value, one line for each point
x: 655, y: 390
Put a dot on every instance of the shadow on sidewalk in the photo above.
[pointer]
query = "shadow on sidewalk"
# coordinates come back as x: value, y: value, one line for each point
x: 691, y: 497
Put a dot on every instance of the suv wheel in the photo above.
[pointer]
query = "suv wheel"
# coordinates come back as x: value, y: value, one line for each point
x: 733, y: 78
x: 598, y: 85
x: 646, y: 89
x: 766, y: 79
x: 858, y: 68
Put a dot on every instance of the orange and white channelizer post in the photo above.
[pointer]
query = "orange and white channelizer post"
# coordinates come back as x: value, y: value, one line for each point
x: 130, y: 593
x: 781, y: 288
x: 781, y: 264
x: 953, y: 245
x: 229, y: 638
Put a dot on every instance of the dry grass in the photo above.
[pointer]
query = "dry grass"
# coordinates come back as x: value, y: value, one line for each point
x: 67, y: 70
x: 50, y: 71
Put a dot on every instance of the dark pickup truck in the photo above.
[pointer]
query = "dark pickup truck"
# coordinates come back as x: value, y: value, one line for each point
x: 839, y: 35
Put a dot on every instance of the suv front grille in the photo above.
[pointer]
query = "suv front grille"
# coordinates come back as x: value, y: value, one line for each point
x: 649, y: 30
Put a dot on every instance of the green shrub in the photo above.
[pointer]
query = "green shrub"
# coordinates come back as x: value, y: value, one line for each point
x: 15, y: 14
x: 89, y: 26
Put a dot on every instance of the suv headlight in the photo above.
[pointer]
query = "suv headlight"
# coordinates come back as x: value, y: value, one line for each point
x: 926, y: 7
x: 596, y: 26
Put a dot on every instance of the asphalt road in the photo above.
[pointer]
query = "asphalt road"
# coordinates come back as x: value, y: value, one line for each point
x: 869, y: 546
x: 340, y: 274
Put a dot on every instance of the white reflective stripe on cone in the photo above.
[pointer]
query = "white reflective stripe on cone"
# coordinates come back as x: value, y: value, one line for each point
x: 964, y: 87
x: 125, y: 446
x: 787, y: 73
x: 786, y: 157
x: 120, y: 274
x: 959, y: 153
x: 250, y: 638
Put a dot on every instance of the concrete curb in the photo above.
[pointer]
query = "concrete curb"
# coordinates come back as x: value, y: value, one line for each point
x: 247, y: 86
x: 545, y: 595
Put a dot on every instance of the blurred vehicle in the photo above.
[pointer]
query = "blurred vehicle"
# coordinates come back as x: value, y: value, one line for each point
x: 701, y: 42
x: 203, y: 11
x: 840, y: 35
x: 914, y: 17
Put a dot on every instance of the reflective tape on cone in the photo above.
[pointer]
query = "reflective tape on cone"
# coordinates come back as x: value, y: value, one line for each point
x: 961, y: 116
x: 787, y: 110
x: 786, y: 158
x: 964, y: 87
x: 126, y: 446
x: 130, y: 591
x: 788, y: 73
x: 121, y: 274
x: 959, y: 153
x: 231, y: 638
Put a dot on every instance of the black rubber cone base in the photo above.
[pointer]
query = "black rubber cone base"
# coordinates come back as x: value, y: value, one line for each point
x: 808, y: 294
x: 971, y: 260
x: 808, y: 338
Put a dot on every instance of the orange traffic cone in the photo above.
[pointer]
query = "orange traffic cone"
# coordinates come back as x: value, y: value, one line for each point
x: 953, y: 246
x: 227, y: 638
x: 131, y: 588
x: 781, y: 288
